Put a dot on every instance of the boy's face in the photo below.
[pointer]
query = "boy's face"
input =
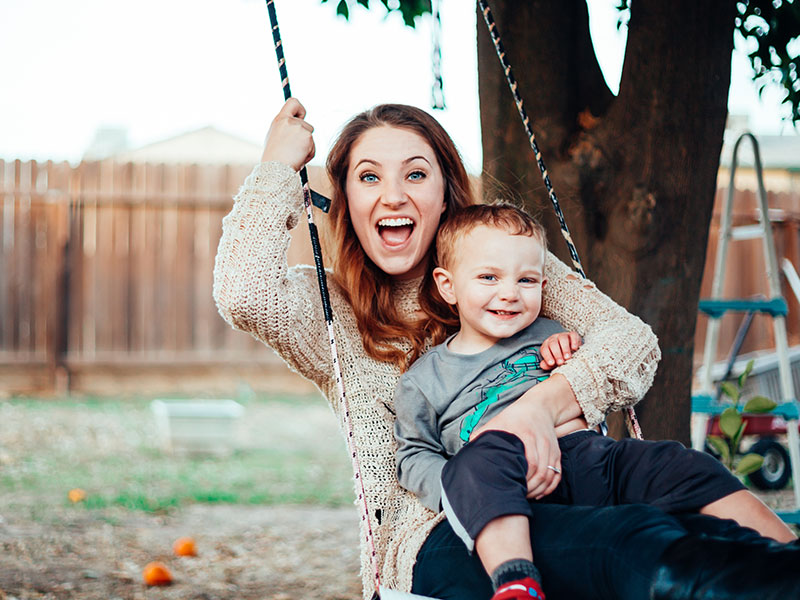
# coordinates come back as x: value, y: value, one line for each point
x: 496, y: 281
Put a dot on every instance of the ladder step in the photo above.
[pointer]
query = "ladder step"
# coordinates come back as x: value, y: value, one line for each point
x: 706, y: 405
x: 747, y: 232
x: 775, y: 307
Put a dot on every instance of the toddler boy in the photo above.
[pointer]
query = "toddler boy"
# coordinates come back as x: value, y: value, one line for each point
x: 491, y: 267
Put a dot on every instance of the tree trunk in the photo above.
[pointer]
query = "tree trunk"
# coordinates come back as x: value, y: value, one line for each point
x: 636, y: 174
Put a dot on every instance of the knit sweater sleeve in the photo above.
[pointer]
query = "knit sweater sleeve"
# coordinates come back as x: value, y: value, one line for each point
x: 617, y: 362
x: 254, y: 288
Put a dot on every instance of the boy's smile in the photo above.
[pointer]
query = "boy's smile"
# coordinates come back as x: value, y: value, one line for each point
x: 496, y: 282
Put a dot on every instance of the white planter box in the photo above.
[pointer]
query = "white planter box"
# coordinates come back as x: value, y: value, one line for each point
x: 197, y: 426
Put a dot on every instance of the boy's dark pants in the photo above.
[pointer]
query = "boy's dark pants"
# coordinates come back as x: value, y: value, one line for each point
x: 583, y: 553
x: 486, y: 479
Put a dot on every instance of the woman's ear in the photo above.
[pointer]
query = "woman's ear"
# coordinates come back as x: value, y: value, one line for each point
x: 444, y: 283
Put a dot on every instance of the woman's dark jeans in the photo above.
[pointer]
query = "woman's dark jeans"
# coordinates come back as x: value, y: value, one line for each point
x: 583, y: 552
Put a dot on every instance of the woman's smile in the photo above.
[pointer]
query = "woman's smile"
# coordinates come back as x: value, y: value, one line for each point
x: 395, y: 231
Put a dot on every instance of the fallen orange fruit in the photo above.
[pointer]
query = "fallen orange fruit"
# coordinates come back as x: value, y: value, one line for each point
x: 184, y: 546
x: 76, y: 495
x: 156, y: 573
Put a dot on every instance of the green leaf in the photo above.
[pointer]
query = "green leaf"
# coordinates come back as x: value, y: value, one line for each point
x: 364, y: 3
x: 749, y: 464
x: 759, y: 404
x: 743, y: 377
x: 730, y: 390
x: 342, y: 9
x: 737, y: 438
x: 729, y: 422
x: 720, y: 446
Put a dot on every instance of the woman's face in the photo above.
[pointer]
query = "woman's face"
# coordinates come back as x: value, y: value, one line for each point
x: 395, y: 195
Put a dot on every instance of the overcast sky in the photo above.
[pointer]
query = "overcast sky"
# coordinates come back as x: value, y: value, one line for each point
x: 161, y: 67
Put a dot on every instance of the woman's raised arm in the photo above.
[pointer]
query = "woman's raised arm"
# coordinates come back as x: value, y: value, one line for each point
x: 254, y: 289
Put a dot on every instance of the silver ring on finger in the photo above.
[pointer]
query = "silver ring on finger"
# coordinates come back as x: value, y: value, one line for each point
x: 556, y: 469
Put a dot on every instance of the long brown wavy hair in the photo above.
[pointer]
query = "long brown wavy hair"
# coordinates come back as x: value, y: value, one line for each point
x: 368, y: 288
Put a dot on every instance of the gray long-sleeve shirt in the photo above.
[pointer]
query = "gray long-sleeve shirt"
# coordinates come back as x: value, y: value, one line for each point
x: 444, y: 396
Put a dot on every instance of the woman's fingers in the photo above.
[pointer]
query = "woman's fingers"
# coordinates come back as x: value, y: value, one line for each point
x: 292, y: 108
x: 542, y: 479
x: 289, y: 139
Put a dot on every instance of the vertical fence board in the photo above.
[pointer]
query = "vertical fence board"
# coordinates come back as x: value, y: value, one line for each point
x: 184, y: 258
x: 138, y: 269
x: 119, y: 283
x: 205, y: 312
x: 23, y: 267
x: 74, y: 268
x: 153, y: 303
x: 6, y: 255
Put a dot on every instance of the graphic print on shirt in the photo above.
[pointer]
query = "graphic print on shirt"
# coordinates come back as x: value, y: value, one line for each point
x: 522, y: 368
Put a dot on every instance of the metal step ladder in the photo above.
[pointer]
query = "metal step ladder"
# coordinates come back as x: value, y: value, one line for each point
x: 705, y: 404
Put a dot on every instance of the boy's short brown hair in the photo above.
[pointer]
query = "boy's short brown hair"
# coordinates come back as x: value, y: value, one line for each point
x: 500, y: 215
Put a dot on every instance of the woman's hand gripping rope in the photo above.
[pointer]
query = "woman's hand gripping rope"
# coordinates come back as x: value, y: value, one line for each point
x: 289, y: 139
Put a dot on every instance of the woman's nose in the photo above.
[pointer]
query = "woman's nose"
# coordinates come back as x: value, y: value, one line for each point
x: 393, y: 195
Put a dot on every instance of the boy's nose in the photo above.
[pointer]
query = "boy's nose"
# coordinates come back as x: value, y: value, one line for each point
x: 507, y: 291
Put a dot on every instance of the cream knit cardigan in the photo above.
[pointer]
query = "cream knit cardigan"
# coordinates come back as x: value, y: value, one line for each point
x: 257, y: 292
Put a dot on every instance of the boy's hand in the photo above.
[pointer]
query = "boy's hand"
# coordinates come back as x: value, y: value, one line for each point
x: 558, y: 348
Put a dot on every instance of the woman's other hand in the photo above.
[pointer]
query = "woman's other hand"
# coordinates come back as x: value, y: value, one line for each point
x: 289, y: 139
x: 544, y: 413
x: 558, y: 348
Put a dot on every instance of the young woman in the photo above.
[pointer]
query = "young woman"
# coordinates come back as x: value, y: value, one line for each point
x: 396, y: 174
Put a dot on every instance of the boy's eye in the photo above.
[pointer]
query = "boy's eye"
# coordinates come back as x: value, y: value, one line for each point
x: 368, y: 177
x: 417, y: 175
x: 528, y: 280
x: 487, y: 277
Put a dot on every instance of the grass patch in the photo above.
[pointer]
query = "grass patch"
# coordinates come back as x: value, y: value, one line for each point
x: 290, y: 452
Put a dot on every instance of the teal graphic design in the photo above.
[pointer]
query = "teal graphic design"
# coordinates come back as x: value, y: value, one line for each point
x: 524, y: 368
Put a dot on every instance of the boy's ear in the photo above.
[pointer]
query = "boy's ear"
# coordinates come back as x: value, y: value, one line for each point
x: 444, y: 283
x: 544, y: 282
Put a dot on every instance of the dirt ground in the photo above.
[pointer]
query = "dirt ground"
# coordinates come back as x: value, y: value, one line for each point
x: 244, y: 552
x: 51, y: 549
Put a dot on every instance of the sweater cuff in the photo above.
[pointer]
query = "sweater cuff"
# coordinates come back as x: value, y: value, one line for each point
x: 579, y: 377
x: 275, y: 174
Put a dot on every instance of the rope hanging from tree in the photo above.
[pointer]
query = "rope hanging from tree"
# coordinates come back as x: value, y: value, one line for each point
x: 327, y: 311
x: 630, y: 415
x: 437, y: 93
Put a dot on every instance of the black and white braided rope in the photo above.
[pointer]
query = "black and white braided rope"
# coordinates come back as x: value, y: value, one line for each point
x: 327, y: 311
x: 632, y: 421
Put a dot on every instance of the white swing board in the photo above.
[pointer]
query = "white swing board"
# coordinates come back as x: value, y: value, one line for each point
x: 387, y: 594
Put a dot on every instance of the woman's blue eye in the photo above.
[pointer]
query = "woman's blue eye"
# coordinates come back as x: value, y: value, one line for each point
x: 369, y: 177
x: 416, y: 176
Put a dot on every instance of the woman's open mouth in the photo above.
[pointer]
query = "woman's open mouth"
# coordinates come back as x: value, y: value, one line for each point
x: 395, y: 232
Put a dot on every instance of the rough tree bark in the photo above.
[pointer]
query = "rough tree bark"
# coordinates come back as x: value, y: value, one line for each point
x: 636, y: 173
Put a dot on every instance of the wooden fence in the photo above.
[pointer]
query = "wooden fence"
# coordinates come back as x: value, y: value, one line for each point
x: 106, y: 272
x: 110, y: 266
